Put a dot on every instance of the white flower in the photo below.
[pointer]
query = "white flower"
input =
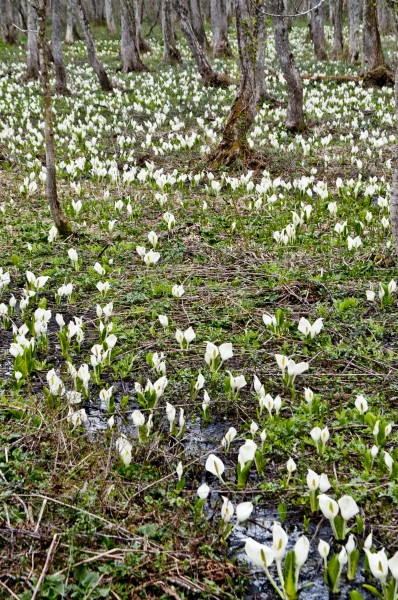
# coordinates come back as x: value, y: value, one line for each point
x: 259, y: 554
x: 243, y: 511
x: 307, y: 329
x: 342, y: 557
x: 393, y: 566
x: 350, y: 545
x: 323, y: 549
x: 291, y: 465
x: 73, y: 255
x: 179, y: 470
x: 308, y: 395
x: 301, y: 550
x: 164, y: 321
x: 151, y: 258
x: 247, y: 452
x: 138, y: 418
x: 227, y: 510
x: 312, y: 480
x: 177, y: 291
x: 99, y: 269
x: 378, y: 564
x: 328, y: 506
x: 279, y: 541
x: 203, y: 491
x: 153, y: 238
x: 237, y: 382
x: 214, y: 465
x: 124, y: 448
x: 361, y: 404
x: 389, y: 461
x: 348, y: 507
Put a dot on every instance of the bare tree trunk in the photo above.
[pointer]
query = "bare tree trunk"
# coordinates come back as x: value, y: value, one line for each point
x: 372, y: 51
x: 394, y: 188
x: 57, y: 213
x: 384, y: 17
x: 110, y: 20
x: 131, y: 60
x: 209, y: 76
x: 295, y: 114
x: 142, y: 44
x: 338, y: 42
x: 9, y: 33
x: 196, y: 20
x: 32, y: 71
x: 249, y: 18
x: 69, y: 22
x: 56, y: 33
x: 317, y: 30
x: 171, y: 54
x: 354, y: 20
x: 219, y: 28
x: 91, y: 51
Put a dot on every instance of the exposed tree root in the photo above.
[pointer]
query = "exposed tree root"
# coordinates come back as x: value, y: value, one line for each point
x: 379, y: 77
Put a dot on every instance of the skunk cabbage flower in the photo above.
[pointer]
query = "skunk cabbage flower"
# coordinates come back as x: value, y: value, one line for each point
x: 261, y: 555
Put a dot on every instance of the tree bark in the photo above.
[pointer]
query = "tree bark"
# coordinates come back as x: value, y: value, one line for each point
x: 249, y: 27
x: 317, y: 30
x: 57, y: 213
x: 91, y: 51
x: 9, y: 33
x: 394, y: 188
x: 372, y: 51
x: 196, y: 20
x: 131, y: 60
x: 384, y: 17
x: 295, y: 114
x: 142, y: 44
x: 354, y: 20
x: 32, y: 71
x: 171, y: 54
x: 209, y: 76
x: 219, y: 28
x: 338, y: 42
x: 60, y: 72
x: 69, y: 22
x: 110, y: 20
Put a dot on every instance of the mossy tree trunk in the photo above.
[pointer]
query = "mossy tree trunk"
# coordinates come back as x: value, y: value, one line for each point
x: 372, y: 51
x: 250, y: 32
x: 58, y: 215
x: 394, y: 189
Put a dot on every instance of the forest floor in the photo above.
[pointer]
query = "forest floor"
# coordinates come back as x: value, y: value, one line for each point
x: 75, y: 522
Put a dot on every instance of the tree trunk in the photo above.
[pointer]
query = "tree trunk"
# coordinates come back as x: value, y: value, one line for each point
x: 209, y: 76
x: 354, y: 21
x: 69, y: 22
x: 219, y: 28
x: 295, y: 115
x: 317, y: 30
x: 110, y: 20
x: 196, y: 20
x: 9, y: 33
x: 249, y: 28
x: 142, y: 44
x: 91, y: 51
x: 338, y: 42
x: 384, y: 17
x: 372, y: 51
x: 56, y: 33
x: 171, y: 54
x: 394, y: 189
x: 131, y: 60
x: 32, y: 71
x: 57, y: 213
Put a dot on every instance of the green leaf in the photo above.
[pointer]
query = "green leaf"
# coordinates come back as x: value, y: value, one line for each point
x: 332, y: 572
x: 353, y: 564
x: 355, y: 595
x: 282, y: 510
x: 374, y: 590
x: 289, y: 575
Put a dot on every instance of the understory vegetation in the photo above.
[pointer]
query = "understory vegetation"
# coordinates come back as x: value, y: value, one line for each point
x: 228, y: 330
